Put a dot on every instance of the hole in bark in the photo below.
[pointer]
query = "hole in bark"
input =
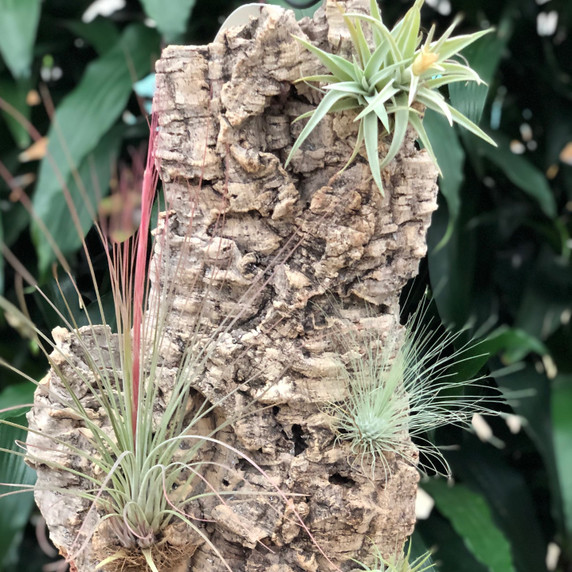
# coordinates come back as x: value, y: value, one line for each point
x: 299, y: 441
x: 275, y: 410
x: 337, y: 479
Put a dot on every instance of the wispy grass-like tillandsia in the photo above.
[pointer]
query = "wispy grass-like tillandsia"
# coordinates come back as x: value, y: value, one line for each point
x: 138, y: 469
x: 390, y: 83
x: 141, y: 473
x: 406, y: 385
x: 399, y: 563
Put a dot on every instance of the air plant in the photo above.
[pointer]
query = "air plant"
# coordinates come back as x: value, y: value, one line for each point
x: 390, y: 83
x: 408, y: 384
x: 399, y: 563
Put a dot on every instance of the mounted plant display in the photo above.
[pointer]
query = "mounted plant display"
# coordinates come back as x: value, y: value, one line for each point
x: 212, y: 420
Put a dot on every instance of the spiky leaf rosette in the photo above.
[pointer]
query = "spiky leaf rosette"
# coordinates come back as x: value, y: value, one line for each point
x: 389, y: 85
x: 407, y: 385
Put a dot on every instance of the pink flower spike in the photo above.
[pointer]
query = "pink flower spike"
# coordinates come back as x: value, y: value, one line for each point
x: 150, y: 180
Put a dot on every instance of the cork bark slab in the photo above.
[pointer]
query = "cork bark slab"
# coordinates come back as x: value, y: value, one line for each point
x: 256, y: 257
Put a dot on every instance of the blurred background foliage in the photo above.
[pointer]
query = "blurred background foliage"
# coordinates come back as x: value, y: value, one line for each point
x: 499, y: 247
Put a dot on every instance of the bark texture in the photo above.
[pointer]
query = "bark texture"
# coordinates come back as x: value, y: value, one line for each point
x: 267, y: 252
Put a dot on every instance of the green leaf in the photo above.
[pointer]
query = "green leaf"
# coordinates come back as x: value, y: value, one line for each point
x: 18, y: 24
x: 375, y: 61
x: 452, y: 267
x: 535, y: 409
x: 94, y: 173
x: 385, y: 33
x: 358, y: 39
x: 451, y: 552
x: 14, y: 509
x: 371, y: 139
x: 1, y: 258
x: 82, y: 119
x: 484, y: 469
x: 338, y: 66
x: 401, y: 120
x: 460, y: 119
x: 515, y: 344
x: 470, y: 515
x: 453, y: 46
x: 523, y: 174
x: 562, y: 430
x: 101, y: 33
x: 13, y: 395
x: 171, y: 17
x: 378, y: 101
x: 451, y: 159
x: 406, y: 31
x: 15, y: 92
x: 484, y: 58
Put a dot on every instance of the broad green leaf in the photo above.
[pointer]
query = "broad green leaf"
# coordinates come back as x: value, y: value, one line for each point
x: 562, y: 430
x: 171, y: 17
x: 450, y: 551
x: 94, y: 174
x: 13, y: 395
x: 451, y: 159
x: 82, y: 119
x: 14, y: 92
x: 514, y: 343
x: 14, y: 509
x: 18, y: 24
x: 484, y: 58
x: 522, y: 173
x: 471, y: 517
x: 484, y: 469
x: 101, y: 33
x: 452, y: 267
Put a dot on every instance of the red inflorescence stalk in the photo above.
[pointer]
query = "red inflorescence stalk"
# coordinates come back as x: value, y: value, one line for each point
x: 150, y: 180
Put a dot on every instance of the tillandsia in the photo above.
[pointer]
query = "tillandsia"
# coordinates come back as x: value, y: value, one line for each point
x: 390, y: 83
x: 401, y: 562
x: 405, y: 387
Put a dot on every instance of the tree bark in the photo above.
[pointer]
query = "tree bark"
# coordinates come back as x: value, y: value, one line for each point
x: 271, y: 251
